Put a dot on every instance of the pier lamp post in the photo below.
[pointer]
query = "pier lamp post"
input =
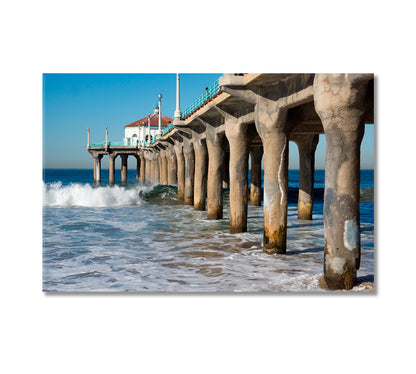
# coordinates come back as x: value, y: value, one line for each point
x: 178, y: 114
x: 143, y: 123
x: 159, y: 132
x: 106, y: 136
x: 148, y: 121
x: 88, y: 145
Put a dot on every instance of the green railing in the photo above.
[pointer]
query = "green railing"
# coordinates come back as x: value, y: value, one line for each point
x: 167, y: 128
x: 206, y: 96
x: 109, y: 144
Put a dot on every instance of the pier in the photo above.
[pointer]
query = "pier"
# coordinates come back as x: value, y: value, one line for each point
x: 207, y: 148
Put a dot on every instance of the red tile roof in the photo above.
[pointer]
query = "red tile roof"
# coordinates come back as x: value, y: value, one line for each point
x: 154, y: 121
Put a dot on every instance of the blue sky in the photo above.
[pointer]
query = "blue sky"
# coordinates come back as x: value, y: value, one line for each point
x: 74, y: 102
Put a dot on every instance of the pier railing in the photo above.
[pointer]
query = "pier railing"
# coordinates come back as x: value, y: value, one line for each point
x: 112, y: 144
x: 209, y: 94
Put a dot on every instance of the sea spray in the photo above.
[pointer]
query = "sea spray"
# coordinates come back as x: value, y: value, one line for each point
x: 85, y: 195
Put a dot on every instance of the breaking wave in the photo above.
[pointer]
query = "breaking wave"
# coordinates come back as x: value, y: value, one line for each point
x: 85, y: 195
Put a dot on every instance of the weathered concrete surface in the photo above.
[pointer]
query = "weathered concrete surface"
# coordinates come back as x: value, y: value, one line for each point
x: 201, y: 171
x: 178, y: 147
x: 340, y: 101
x: 137, y: 168
x: 156, y: 165
x: 236, y: 133
x: 214, y: 141
x: 275, y: 192
x: 142, y: 168
x: 111, y: 167
x: 189, y: 156
x: 172, y: 170
x: 256, y: 154
x: 271, y: 126
x: 163, y: 167
x: 307, y: 146
x: 123, y: 168
x: 152, y: 168
x: 148, y: 168
x: 97, y: 168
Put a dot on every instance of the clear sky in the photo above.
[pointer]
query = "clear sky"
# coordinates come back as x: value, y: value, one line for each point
x: 74, y: 102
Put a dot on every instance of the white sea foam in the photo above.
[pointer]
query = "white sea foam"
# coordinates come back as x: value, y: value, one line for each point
x: 77, y: 194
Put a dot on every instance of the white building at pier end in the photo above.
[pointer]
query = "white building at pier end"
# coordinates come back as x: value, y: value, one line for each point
x: 138, y: 132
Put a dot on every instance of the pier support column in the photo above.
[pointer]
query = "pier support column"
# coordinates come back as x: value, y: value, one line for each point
x: 340, y: 101
x: 97, y: 168
x: 152, y: 169
x: 271, y: 125
x: 160, y: 163
x: 137, y: 168
x: 215, y: 173
x: 111, y: 167
x: 237, y: 137
x: 189, y: 156
x: 171, y: 157
x: 276, y: 157
x: 164, y: 168
x: 148, y: 169
x: 142, y: 168
x: 226, y: 170
x: 201, y: 170
x: 178, y: 147
x: 236, y: 132
x: 307, y: 145
x: 156, y: 165
x: 124, y: 168
x: 256, y: 154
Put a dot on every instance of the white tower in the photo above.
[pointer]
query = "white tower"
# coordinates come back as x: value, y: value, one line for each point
x: 159, y: 131
x: 148, y: 120
x: 178, y: 114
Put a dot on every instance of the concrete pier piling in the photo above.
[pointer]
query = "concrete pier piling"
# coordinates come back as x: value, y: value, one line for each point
x: 215, y: 174
x: 123, y: 168
x: 236, y: 133
x: 180, y: 164
x: 275, y: 191
x: 172, y: 168
x: 340, y: 101
x: 189, y: 156
x: 111, y: 167
x: 162, y: 167
x: 156, y: 163
x: 148, y: 168
x: 152, y: 168
x: 307, y: 145
x: 201, y: 171
x: 165, y: 167
x: 256, y: 154
x: 97, y: 168
x: 142, y: 168
x: 207, y: 148
x: 137, y: 168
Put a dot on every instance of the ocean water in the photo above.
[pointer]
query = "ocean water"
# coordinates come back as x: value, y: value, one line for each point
x: 138, y: 238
